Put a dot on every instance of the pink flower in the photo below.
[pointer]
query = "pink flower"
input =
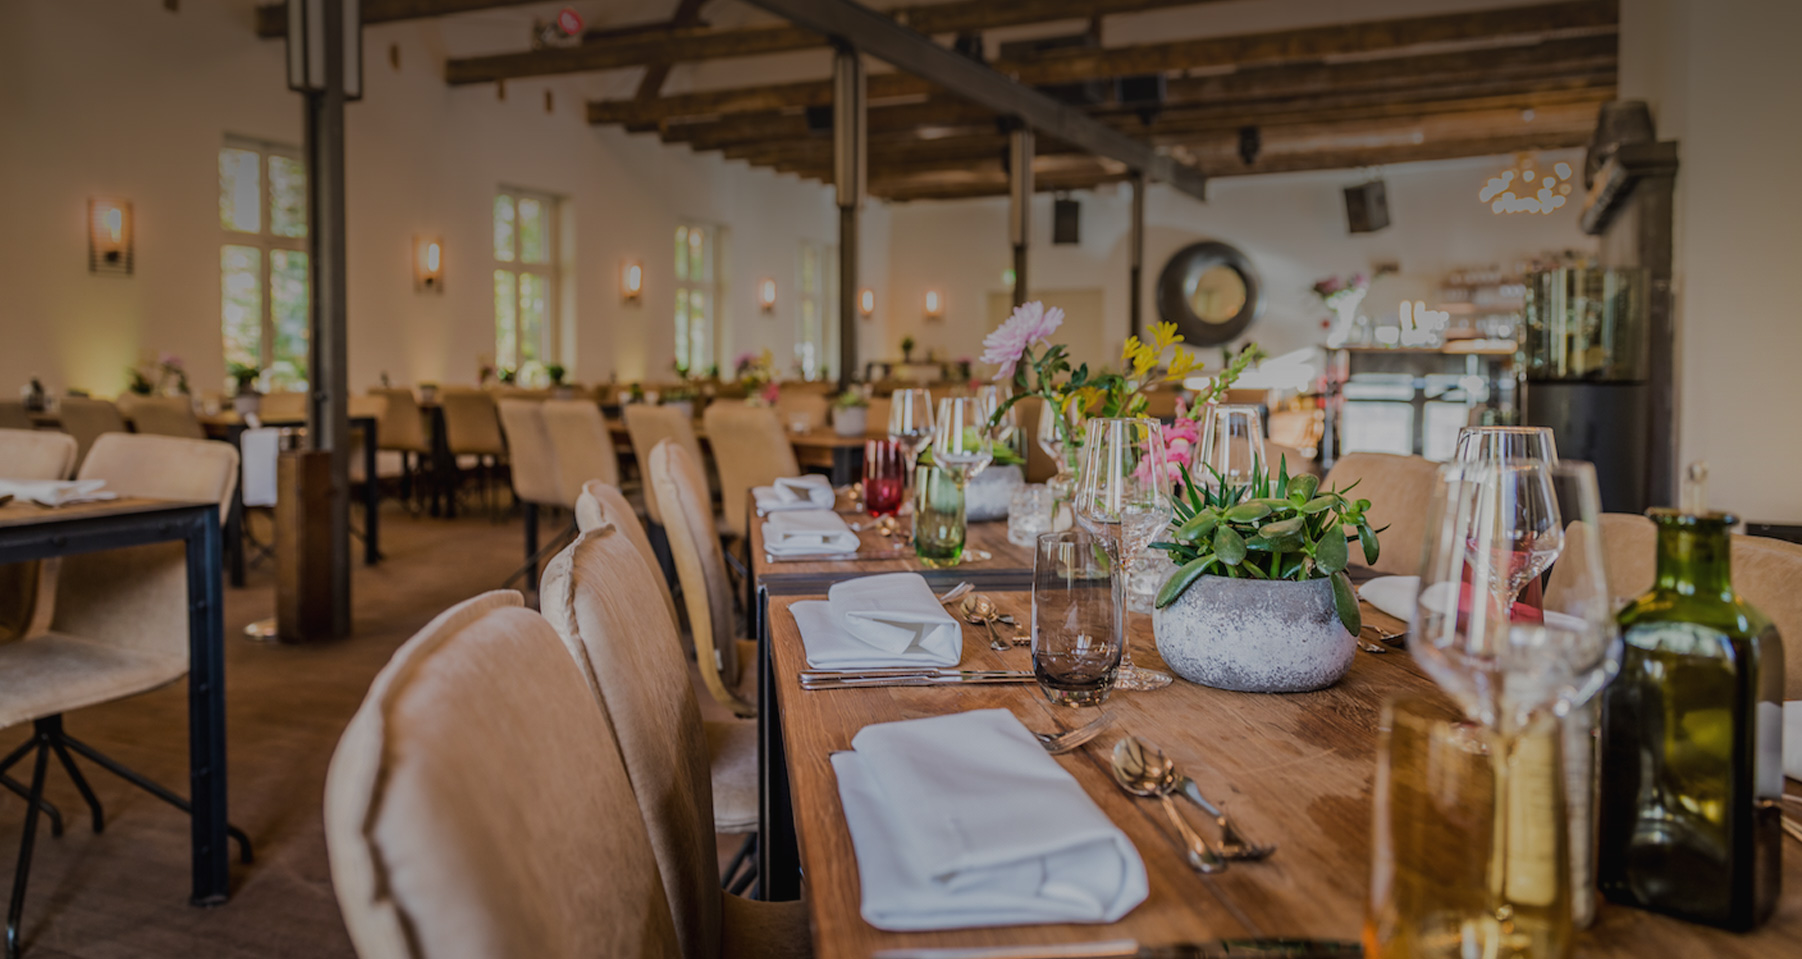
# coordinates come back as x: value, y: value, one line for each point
x: 770, y: 393
x: 1029, y: 326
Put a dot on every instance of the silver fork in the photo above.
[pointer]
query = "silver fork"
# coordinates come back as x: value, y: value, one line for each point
x: 1059, y: 743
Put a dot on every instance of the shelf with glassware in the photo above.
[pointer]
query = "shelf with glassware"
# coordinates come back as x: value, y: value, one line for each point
x: 1414, y: 401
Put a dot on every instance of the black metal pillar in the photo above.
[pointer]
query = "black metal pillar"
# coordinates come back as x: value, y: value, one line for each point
x: 328, y: 414
x: 1019, y: 211
x: 849, y: 166
x: 1135, y: 260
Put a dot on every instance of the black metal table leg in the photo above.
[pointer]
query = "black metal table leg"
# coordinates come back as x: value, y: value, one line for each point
x: 234, y: 537
x: 372, y: 497
x: 778, y: 855
x: 206, y: 712
x: 847, y: 465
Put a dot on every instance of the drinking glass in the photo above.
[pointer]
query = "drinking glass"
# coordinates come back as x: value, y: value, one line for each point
x: 1028, y: 514
x: 1002, y: 428
x: 960, y: 438
x: 884, y: 477
x: 1075, y: 646
x: 1123, y: 499
x: 1232, y: 443
x: 910, y: 421
x: 1489, y: 443
x: 1060, y: 436
x: 938, y: 518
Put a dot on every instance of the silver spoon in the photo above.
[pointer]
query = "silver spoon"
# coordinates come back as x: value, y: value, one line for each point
x: 1232, y: 845
x: 1145, y: 772
x: 979, y: 609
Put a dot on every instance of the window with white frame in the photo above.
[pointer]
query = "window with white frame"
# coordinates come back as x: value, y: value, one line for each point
x: 263, y: 261
x: 699, y: 290
x: 816, y: 325
x: 525, y: 282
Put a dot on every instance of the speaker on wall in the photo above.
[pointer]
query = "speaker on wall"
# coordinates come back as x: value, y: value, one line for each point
x: 1367, y: 207
x: 1066, y: 221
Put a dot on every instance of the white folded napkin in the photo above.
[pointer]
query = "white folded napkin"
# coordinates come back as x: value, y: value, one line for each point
x: 811, y: 491
x: 1792, y: 739
x: 892, y: 619
x: 1392, y: 594
x: 57, y: 492
x: 809, y: 531
x: 963, y: 820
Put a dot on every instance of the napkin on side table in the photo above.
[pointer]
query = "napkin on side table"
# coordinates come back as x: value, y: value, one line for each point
x: 809, y: 531
x: 963, y: 820
x: 810, y: 491
x: 891, y: 619
x: 58, y: 492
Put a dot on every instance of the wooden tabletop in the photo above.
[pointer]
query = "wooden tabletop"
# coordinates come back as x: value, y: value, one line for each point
x: 16, y: 513
x: 1293, y: 769
x: 1005, y: 557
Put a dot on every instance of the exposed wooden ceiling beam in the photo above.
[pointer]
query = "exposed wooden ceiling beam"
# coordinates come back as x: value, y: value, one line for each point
x: 272, y: 19
x: 1553, y: 65
x: 688, y: 13
x: 1467, y: 32
x: 681, y: 46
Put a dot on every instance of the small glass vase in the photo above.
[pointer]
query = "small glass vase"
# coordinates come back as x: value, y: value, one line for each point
x: 938, y: 517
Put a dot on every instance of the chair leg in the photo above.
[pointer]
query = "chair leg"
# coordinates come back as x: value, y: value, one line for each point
x: 738, y: 877
x: 153, y: 788
x: 27, y: 839
x: 55, y: 739
x: 17, y: 788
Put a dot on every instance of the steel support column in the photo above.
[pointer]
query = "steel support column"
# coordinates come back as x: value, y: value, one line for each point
x: 1135, y: 260
x: 849, y: 165
x: 1019, y: 194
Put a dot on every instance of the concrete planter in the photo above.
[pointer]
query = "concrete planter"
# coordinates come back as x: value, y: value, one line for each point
x: 1255, y: 636
x: 990, y: 492
x: 850, y: 420
x: 247, y: 404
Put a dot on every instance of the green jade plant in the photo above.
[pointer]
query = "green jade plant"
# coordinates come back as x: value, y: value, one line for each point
x: 1276, y: 529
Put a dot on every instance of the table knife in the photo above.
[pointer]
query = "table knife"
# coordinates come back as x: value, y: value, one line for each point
x: 858, y: 556
x: 877, y: 682
x: 902, y: 672
x: 1131, y: 949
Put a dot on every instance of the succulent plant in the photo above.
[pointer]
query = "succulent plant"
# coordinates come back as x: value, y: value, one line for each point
x: 1284, y: 528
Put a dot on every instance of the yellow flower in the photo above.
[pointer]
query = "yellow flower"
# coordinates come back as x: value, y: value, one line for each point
x: 1164, y: 336
x: 1085, y: 399
x: 1181, y: 364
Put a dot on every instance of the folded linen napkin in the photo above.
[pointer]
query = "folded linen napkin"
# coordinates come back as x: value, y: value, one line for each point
x: 963, y: 820
x: 810, y: 531
x: 58, y: 492
x: 892, y: 619
x: 1792, y: 739
x: 811, y: 491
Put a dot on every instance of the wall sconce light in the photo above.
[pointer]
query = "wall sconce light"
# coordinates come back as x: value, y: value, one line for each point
x: 631, y: 280
x: 935, y: 304
x: 109, y: 236
x: 766, y: 294
x: 428, y: 264
x: 866, y: 302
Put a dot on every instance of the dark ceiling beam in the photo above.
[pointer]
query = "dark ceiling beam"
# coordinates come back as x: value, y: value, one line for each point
x: 688, y: 13
x: 875, y: 35
x: 272, y: 19
x: 1464, y: 33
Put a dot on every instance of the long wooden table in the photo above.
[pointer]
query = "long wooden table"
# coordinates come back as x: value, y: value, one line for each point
x: 1294, y: 769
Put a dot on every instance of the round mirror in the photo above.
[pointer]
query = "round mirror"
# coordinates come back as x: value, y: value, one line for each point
x: 1210, y: 291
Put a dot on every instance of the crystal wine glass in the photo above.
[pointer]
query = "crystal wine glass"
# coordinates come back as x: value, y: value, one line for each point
x: 992, y: 397
x: 910, y: 424
x: 1490, y: 443
x: 960, y: 440
x: 1123, y: 499
x: 1232, y: 442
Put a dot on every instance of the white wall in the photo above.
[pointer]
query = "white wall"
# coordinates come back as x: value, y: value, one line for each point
x: 138, y: 107
x: 1292, y: 226
x: 1722, y: 79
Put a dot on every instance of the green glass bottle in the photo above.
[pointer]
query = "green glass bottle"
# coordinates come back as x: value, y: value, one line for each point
x: 1692, y: 740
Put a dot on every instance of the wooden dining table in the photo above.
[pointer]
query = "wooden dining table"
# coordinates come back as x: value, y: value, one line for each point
x: 1296, y: 770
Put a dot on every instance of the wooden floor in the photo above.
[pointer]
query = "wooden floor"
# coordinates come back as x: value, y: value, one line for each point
x: 123, y: 893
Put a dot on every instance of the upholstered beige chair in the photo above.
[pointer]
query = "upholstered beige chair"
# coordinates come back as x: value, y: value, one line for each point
x: 283, y: 406
x: 402, y: 429
x: 477, y: 805
x: 691, y: 778
x: 602, y: 505
x: 877, y: 420
x: 120, y: 621
x: 162, y: 416
x: 1299, y: 462
x: 85, y: 419
x: 1399, y: 488
x: 749, y: 449
x: 533, y: 467
x: 1039, y: 464
x: 649, y: 425
x: 681, y: 494
x: 28, y: 454
x: 472, y: 428
x: 13, y: 415
x: 583, y: 445
x: 794, y: 403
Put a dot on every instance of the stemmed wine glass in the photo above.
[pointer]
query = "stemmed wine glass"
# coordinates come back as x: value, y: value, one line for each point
x: 1232, y: 442
x: 910, y: 424
x: 1123, y: 499
x: 960, y: 438
x: 992, y: 397
x: 1489, y: 443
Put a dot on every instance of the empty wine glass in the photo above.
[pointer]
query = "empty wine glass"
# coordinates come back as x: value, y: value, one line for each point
x: 960, y: 438
x: 1003, y: 427
x: 1490, y: 443
x: 1123, y: 499
x: 910, y: 421
x: 1232, y: 443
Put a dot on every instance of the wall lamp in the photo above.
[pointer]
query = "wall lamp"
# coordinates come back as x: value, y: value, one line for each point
x: 631, y: 280
x: 109, y: 236
x: 866, y: 302
x: 428, y: 264
x: 935, y: 304
x: 766, y: 294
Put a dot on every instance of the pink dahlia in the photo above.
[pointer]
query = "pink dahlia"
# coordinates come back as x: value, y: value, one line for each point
x: 1030, y: 325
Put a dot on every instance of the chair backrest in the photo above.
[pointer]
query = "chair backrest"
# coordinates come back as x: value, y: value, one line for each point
x: 1298, y: 462
x: 138, y: 597
x: 531, y: 461
x: 602, y: 505
x: 681, y: 494
x: 1039, y: 464
x: 583, y: 445
x: 593, y: 594
x: 749, y: 449
x: 283, y: 406
x: 649, y: 425
x: 163, y: 416
x: 477, y: 804
x: 13, y: 415
x: 29, y: 454
x: 85, y: 419
x: 471, y: 424
x: 793, y: 401
x: 876, y: 421
x: 1399, y: 489
x: 401, y: 426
